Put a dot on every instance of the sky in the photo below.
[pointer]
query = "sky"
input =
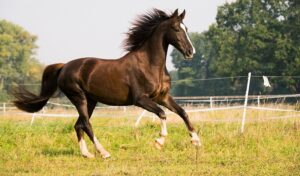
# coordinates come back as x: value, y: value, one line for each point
x: 70, y: 29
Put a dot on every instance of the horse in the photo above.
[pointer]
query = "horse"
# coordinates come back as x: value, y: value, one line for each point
x: 139, y: 78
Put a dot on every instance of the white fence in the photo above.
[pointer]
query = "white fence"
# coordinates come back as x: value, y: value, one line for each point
x: 209, y: 104
x: 212, y: 102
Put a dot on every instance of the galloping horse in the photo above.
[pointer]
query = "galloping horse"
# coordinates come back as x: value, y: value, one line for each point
x: 138, y: 78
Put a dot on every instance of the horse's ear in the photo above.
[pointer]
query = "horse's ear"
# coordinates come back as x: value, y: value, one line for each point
x: 175, y: 13
x: 182, y: 15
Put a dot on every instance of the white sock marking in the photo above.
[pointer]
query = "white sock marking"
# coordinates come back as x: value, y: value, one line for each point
x: 163, y: 125
x: 195, y: 138
x: 100, y: 148
x: 97, y: 144
x: 83, y: 148
x: 161, y: 140
x: 187, y: 36
x: 163, y: 133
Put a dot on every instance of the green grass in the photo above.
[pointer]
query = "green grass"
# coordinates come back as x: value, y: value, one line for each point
x: 49, y: 147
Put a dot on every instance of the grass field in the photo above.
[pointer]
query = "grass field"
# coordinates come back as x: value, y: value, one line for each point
x: 49, y: 147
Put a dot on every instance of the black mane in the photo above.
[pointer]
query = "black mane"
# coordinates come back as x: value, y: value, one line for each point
x: 143, y: 28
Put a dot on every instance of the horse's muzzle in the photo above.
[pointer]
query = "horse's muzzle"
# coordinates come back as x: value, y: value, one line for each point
x: 189, y: 54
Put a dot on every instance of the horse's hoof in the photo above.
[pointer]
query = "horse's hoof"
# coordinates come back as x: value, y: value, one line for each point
x: 158, y: 145
x: 88, y: 155
x: 196, y: 143
x: 106, y: 155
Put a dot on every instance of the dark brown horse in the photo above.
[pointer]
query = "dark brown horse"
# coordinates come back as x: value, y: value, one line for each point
x: 139, y: 78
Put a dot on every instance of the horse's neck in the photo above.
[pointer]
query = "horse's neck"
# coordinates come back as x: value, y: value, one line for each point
x: 156, y: 51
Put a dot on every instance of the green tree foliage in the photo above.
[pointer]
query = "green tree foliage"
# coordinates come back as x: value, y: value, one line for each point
x: 258, y: 36
x: 17, y: 64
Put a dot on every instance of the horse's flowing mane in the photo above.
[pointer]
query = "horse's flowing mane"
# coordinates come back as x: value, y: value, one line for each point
x: 143, y: 28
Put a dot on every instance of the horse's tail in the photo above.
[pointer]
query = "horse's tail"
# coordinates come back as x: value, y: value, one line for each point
x: 29, y: 102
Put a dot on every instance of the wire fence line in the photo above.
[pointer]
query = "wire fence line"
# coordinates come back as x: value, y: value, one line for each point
x: 183, y: 100
x: 199, y: 104
x: 7, y: 108
x: 201, y: 79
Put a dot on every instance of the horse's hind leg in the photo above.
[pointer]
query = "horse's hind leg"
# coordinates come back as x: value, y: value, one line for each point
x: 82, y: 125
x: 91, y: 104
x: 85, y: 108
x: 82, y: 144
x: 85, y: 111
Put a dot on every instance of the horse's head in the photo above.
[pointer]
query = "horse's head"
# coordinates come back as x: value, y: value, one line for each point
x: 178, y: 37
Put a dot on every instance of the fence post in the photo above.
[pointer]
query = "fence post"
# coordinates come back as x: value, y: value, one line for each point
x: 139, y: 118
x: 211, y: 102
x: 4, y: 108
x: 258, y: 101
x: 245, y: 104
x: 32, y: 119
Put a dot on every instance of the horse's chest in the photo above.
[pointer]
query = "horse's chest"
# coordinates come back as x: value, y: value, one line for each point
x: 161, y: 89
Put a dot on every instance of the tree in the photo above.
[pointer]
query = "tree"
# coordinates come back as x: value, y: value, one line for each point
x: 17, y: 64
x: 258, y: 36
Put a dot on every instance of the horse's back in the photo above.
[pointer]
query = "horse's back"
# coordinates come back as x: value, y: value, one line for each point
x: 104, y: 80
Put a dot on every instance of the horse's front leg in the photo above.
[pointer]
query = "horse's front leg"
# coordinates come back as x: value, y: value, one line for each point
x: 151, y: 106
x: 169, y: 103
x: 159, y: 142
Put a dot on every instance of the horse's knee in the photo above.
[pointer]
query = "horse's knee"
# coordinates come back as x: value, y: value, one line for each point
x: 162, y: 115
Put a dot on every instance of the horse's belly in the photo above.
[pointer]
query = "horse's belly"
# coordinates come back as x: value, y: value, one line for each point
x: 111, y: 95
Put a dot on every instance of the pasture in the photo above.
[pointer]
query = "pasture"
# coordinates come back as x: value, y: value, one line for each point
x: 49, y: 146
